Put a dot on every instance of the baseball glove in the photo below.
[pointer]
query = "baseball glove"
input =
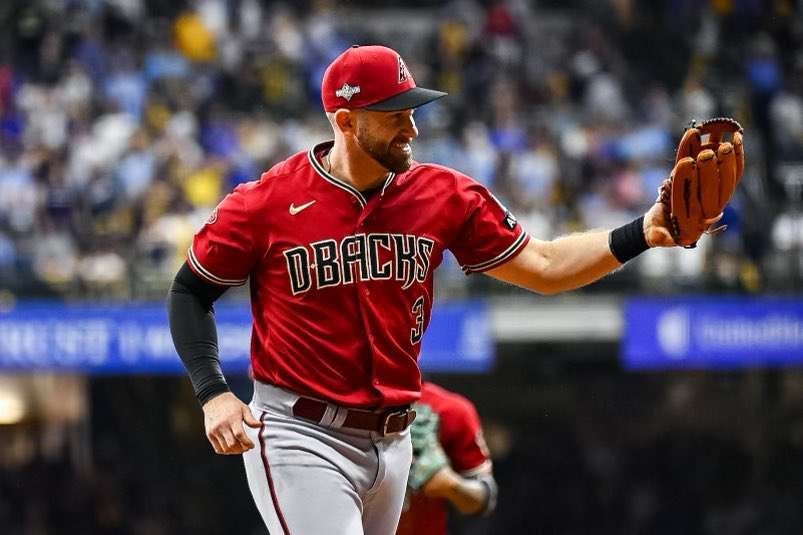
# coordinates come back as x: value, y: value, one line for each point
x: 707, y: 169
x: 428, y: 456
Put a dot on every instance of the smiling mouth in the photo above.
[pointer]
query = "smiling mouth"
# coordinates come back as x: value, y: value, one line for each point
x: 403, y: 147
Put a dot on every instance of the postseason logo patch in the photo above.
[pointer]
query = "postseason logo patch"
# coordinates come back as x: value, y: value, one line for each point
x: 347, y: 91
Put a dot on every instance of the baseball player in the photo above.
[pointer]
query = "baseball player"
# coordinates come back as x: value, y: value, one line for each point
x: 339, y: 244
x: 451, y: 463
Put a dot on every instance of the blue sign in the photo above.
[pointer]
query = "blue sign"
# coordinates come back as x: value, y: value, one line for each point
x: 712, y: 332
x: 135, y: 338
x: 458, y: 338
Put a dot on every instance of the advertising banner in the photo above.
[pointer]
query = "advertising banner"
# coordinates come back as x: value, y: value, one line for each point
x: 135, y: 338
x: 712, y: 332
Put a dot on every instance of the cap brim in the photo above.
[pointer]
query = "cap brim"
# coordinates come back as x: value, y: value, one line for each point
x: 412, y: 98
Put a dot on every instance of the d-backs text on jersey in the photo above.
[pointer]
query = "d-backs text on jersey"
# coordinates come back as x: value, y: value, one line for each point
x: 401, y: 257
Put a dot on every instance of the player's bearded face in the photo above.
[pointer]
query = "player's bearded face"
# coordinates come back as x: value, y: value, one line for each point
x: 390, y: 147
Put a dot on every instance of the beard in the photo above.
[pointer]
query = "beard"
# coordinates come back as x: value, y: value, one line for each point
x: 384, y: 153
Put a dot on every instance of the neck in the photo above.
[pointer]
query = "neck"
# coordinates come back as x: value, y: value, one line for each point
x: 353, y: 166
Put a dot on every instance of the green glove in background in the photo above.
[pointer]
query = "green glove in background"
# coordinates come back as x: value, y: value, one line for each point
x: 428, y: 456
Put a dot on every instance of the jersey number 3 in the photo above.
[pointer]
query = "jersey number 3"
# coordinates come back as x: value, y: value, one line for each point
x: 418, y: 317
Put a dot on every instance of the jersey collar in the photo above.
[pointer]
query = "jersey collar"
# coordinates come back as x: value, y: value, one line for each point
x: 345, y: 186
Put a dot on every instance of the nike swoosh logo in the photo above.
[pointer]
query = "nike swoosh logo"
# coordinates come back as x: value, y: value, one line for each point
x: 296, y: 209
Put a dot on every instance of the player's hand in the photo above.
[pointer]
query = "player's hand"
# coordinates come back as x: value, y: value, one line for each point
x: 656, y: 231
x: 224, y: 416
x: 440, y: 485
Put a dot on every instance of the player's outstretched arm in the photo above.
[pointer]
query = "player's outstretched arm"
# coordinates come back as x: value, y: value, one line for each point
x: 570, y: 262
x: 551, y: 267
x: 691, y: 201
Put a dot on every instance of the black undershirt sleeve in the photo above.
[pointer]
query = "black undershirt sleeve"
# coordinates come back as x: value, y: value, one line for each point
x: 192, y: 325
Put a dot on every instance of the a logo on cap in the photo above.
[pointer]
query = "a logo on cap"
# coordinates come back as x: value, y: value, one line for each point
x: 404, y: 74
x: 347, y: 91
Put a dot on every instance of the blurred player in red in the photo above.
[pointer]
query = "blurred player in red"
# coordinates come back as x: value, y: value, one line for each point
x: 451, y: 463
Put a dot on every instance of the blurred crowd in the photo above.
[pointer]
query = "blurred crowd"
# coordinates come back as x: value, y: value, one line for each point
x: 123, y: 122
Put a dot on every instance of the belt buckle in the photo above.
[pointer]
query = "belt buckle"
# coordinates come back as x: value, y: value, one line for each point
x: 387, y: 420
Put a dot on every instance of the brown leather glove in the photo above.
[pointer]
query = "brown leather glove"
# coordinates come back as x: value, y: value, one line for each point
x: 707, y: 169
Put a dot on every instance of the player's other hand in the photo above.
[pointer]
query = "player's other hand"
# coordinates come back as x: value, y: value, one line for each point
x: 655, y: 230
x: 656, y: 220
x: 441, y: 483
x: 224, y: 416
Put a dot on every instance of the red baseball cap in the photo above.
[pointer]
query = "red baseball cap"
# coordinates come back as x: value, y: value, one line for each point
x: 373, y: 78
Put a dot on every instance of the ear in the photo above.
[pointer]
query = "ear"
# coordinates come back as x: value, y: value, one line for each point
x: 346, y: 121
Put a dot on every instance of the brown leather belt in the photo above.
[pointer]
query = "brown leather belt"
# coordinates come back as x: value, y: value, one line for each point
x: 383, y: 422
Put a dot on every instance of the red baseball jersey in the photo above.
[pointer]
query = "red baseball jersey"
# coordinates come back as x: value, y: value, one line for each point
x: 341, y: 283
x: 460, y: 435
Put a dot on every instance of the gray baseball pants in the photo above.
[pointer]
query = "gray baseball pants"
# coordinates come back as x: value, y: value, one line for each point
x: 309, y: 479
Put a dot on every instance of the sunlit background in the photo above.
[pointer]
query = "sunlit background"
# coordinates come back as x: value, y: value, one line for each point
x: 667, y: 398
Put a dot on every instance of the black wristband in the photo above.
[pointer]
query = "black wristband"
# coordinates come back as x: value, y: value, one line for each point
x: 628, y: 241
